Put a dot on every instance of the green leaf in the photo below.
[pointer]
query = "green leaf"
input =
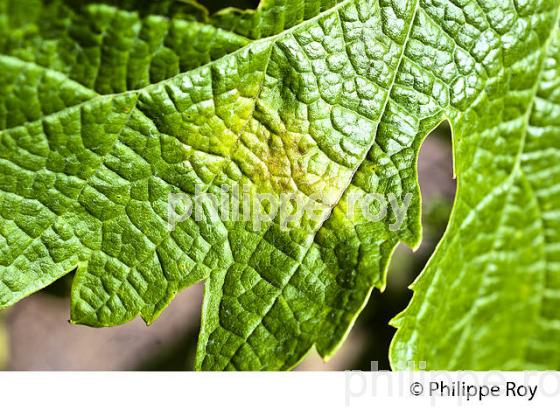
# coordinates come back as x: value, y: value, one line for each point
x: 108, y: 109
x: 490, y: 296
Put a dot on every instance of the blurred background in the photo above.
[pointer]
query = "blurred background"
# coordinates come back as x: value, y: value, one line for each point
x: 35, y: 333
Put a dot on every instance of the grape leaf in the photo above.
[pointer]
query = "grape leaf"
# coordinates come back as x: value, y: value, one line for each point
x: 494, y: 282
x: 108, y: 108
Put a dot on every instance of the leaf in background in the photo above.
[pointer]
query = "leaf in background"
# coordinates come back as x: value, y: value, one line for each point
x: 105, y: 112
